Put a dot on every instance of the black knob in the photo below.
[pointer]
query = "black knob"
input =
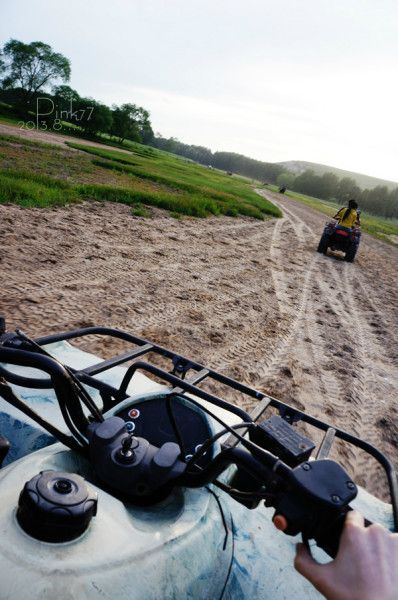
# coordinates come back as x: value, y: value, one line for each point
x: 56, y: 507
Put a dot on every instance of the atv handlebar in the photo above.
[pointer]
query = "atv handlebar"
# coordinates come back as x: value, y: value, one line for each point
x: 313, y: 497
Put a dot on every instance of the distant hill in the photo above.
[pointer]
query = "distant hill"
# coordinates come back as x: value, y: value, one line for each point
x: 363, y: 181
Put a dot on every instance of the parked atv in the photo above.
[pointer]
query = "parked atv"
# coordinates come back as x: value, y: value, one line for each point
x: 137, y: 482
x: 340, y: 238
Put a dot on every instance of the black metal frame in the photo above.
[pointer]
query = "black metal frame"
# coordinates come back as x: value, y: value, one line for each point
x: 176, y: 378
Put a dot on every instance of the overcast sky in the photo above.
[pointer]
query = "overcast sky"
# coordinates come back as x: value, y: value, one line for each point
x: 276, y: 80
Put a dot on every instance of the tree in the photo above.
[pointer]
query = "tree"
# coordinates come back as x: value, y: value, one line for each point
x: 144, y: 124
x: 393, y: 203
x: 347, y: 189
x: 147, y: 134
x: 286, y: 180
x: 305, y: 182
x: 32, y: 67
x: 380, y: 193
x: 92, y: 116
x: 249, y: 167
x: 394, y: 196
x: 380, y: 201
x: 64, y: 101
x: 65, y: 94
x: 124, y: 124
x: 328, y: 185
x: 131, y: 122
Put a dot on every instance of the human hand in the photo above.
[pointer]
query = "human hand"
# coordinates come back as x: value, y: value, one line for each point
x: 365, y: 568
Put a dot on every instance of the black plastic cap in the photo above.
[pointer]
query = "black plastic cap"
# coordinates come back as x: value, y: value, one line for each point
x: 56, y: 507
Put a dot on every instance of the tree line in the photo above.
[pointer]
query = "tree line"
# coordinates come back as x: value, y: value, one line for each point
x: 227, y: 161
x: 378, y: 201
x: 27, y: 72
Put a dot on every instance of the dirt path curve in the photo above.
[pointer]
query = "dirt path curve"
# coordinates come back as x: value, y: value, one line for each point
x: 250, y: 298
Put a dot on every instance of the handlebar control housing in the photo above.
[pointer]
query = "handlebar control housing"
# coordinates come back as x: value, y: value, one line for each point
x: 316, y: 501
x: 130, y: 464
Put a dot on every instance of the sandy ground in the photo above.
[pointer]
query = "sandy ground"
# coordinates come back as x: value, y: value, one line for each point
x: 252, y: 299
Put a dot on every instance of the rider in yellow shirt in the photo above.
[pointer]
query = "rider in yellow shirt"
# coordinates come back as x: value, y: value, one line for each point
x: 348, y: 217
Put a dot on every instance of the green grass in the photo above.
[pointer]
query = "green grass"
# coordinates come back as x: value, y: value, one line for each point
x: 378, y: 227
x: 180, y: 186
x: 184, y: 204
x: 34, y: 173
x: 141, y: 211
x: 8, y: 120
x: 215, y: 192
x: 30, y: 190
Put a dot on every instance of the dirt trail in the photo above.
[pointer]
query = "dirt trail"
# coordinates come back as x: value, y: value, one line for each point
x: 250, y: 298
x: 340, y: 349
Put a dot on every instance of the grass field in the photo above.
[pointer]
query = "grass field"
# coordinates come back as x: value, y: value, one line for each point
x: 383, y: 229
x: 9, y: 120
x: 40, y: 174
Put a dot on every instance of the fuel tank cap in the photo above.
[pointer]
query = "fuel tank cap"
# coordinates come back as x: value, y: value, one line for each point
x: 56, y: 507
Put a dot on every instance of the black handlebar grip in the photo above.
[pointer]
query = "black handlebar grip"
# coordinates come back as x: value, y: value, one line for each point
x: 329, y: 539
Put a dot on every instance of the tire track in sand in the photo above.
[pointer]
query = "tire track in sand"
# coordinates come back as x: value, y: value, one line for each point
x: 342, y: 397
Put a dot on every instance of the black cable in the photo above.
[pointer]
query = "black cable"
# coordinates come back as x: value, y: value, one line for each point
x: 8, y: 394
x: 224, y: 521
x: 243, y: 495
x: 210, y: 441
x: 82, y: 392
x: 70, y: 424
x: 263, y: 456
x: 238, y: 494
x: 85, y: 397
x: 174, y: 425
x: 246, y: 443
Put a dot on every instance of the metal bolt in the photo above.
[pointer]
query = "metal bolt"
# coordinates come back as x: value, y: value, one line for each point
x: 350, y: 485
x: 306, y: 467
x: 336, y: 498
